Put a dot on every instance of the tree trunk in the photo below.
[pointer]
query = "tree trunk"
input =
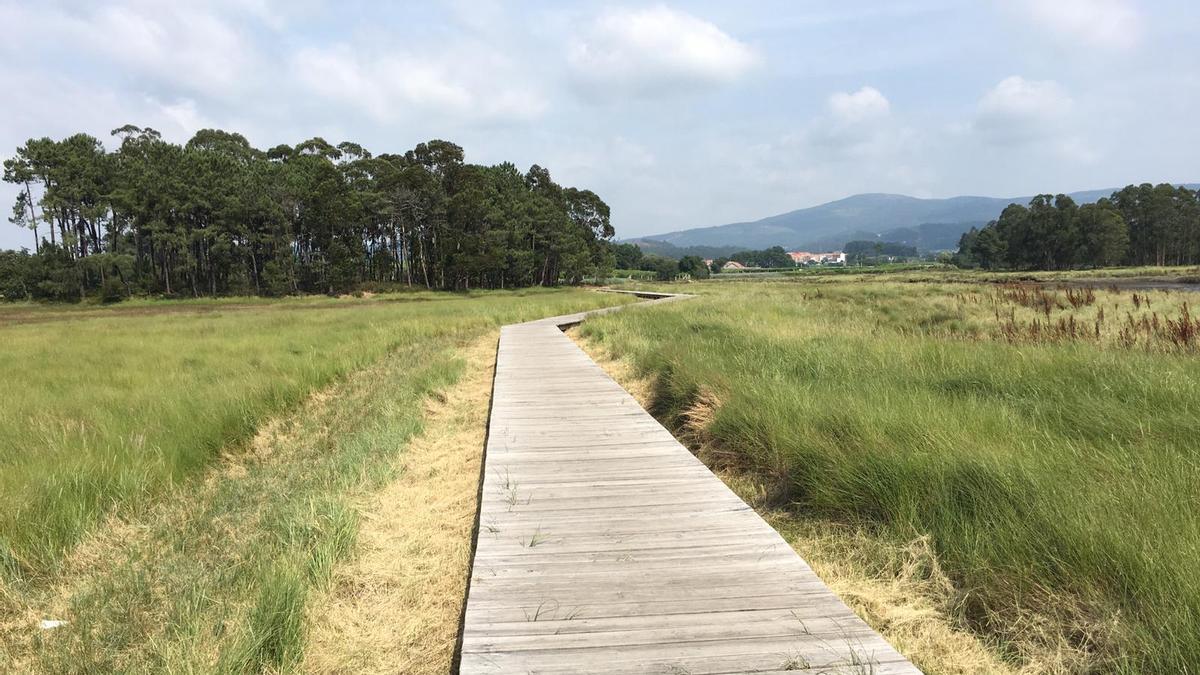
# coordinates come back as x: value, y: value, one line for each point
x: 37, y: 241
x: 254, y: 271
x: 424, y: 266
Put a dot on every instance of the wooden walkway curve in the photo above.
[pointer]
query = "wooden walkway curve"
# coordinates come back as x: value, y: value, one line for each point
x: 605, y: 546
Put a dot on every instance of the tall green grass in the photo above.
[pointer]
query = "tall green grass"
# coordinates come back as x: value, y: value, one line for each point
x: 106, y: 406
x: 1058, y: 480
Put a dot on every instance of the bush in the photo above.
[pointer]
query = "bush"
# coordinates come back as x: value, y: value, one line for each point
x: 15, y: 269
x: 112, y: 290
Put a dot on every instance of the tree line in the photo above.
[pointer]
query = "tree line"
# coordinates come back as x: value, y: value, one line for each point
x: 1138, y: 225
x: 863, y: 251
x: 217, y: 216
x: 628, y: 256
x: 767, y: 258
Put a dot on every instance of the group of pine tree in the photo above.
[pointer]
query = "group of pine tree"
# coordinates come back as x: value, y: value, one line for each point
x: 1138, y: 225
x: 217, y: 216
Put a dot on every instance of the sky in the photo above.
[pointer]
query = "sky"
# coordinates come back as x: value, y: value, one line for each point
x: 678, y: 114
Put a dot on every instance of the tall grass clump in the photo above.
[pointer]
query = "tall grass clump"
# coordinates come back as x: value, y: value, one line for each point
x: 274, y: 635
x: 1055, y: 476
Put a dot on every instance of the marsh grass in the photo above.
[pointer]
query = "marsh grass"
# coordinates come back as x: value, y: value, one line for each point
x: 215, y: 568
x: 1053, y: 472
x: 897, y: 586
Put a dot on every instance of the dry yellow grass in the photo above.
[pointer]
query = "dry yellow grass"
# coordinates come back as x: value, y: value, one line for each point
x: 898, y: 589
x: 395, y: 607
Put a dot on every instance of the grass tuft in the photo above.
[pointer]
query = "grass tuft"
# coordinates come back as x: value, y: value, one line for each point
x: 274, y: 634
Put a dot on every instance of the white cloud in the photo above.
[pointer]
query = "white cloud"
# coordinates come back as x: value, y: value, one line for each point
x: 381, y: 87
x: 181, y: 46
x: 1018, y: 110
x: 856, y: 125
x: 1015, y: 96
x: 865, y: 104
x: 1019, y: 116
x: 654, y: 51
x: 392, y: 86
x: 183, y: 116
x: 856, y: 144
x: 1112, y: 24
x: 171, y: 46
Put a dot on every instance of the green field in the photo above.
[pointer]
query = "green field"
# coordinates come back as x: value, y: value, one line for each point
x: 1043, y: 439
x: 150, y: 493
x: 180, y: 479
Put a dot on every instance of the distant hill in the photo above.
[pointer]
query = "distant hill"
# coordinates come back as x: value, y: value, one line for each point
x: 928, y: 224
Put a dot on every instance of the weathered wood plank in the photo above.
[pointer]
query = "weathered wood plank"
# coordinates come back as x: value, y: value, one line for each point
x: 605, y: 546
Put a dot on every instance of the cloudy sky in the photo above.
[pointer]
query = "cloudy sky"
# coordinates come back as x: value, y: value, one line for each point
x: 679, y: 114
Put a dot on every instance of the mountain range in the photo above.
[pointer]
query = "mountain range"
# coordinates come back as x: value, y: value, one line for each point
x: 928, y: 224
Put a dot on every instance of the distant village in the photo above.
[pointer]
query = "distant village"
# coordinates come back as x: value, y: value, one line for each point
x: 801, y: 258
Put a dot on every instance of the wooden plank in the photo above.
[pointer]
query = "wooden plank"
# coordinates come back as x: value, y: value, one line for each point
x: 605, y: 546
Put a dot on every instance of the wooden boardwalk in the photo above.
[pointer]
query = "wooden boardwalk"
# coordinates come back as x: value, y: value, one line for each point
x: 605, y: 546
